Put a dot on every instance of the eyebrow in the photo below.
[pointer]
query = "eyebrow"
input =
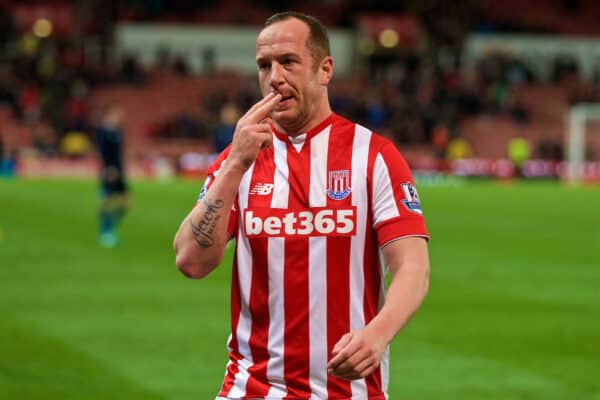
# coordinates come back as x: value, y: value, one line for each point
x: 278, y: 56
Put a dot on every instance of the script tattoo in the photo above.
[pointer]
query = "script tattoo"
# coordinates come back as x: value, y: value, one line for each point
x: 204, y: 231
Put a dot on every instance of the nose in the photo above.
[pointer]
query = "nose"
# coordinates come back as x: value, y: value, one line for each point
x: 276, y: 77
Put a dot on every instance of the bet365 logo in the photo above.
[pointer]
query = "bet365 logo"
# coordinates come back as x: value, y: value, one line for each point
x: 269, y: 222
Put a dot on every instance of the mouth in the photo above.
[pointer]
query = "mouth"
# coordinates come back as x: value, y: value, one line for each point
x: 285, y: 101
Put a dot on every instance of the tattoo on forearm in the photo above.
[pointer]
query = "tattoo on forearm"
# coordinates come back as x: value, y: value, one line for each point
x: 205, y: 229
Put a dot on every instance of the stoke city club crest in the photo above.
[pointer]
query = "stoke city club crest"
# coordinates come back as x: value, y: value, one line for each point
x: 339, y: 184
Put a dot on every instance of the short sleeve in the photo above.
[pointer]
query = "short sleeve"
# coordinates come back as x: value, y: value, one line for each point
x: 211, y: 174
x: 396, y: 207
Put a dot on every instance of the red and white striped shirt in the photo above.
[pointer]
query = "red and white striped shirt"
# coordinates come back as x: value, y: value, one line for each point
x: 310, y: 216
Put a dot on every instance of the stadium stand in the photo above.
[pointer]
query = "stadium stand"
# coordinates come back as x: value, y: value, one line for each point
x: 412, y: 95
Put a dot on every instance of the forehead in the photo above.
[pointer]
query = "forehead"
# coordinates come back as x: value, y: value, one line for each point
x: 290, y: 35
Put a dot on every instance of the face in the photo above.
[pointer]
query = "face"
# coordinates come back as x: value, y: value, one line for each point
x: 285, y: 65
x: 114, y: 115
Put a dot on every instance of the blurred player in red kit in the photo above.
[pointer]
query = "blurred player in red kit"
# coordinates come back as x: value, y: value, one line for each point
x: 311, y: 199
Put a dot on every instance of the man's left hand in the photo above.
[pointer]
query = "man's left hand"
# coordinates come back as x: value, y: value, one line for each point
x: 356, y: 355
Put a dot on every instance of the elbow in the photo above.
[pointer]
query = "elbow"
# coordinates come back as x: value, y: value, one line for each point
x: 192, y: 267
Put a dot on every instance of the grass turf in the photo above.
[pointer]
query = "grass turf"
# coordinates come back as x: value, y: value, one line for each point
x: 513, y: 309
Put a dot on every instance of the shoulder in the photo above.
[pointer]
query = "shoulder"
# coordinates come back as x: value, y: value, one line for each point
x: 376, y: 142
x: 218, y: 163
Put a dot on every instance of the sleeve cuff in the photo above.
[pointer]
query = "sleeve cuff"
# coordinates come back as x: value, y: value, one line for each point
x: 398, y: 228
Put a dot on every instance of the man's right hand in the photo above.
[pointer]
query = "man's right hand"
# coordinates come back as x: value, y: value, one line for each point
x: 252, y: 133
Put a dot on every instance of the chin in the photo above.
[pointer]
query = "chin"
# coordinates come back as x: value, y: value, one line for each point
x: 284, y: 116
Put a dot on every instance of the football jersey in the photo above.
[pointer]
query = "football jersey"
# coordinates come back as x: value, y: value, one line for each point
x: 309, y: 219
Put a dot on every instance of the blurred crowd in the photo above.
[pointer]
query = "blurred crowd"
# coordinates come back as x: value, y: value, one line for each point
x: 415, y: 94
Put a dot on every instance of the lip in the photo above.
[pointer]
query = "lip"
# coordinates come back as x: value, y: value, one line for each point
x: 285, y: 102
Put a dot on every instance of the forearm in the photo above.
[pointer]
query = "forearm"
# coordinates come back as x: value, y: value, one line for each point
x: 405, y: 295
x: 408, y: 288
x: 200, y: 241
x: 358, y: 353
x: 202, y: 236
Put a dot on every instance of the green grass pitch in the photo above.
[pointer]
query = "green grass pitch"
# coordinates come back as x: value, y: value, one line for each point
x: 513, y: 310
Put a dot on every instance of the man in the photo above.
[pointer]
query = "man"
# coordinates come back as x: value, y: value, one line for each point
x: 310, y: 198
x: 109, y: 140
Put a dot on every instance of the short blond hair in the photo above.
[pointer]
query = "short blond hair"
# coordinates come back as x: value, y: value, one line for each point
x: 318, y: 39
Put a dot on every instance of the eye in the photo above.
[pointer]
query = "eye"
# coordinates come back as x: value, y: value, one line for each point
x: 263, y: 66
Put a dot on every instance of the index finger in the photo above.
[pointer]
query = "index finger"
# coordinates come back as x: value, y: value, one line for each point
x: 344, y: 353
x: 344, y: 340
x: 262, y: 109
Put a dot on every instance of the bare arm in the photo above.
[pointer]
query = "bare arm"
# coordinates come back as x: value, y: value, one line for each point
x: 357, y: 354
x: 199, y: 243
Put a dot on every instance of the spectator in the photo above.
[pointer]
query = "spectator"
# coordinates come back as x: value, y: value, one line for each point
x: 458, y: 149
x: 226, y: 126
x: 518, y: 152
x: 29, y: 102
x: 131, y: 71
x: 44, y: 138
x: 180, y: 66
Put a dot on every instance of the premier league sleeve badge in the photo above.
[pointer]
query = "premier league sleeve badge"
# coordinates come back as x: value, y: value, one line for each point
x: 411, y: 198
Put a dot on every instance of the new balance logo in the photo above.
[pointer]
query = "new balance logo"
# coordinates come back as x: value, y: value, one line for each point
x: 262, y: 189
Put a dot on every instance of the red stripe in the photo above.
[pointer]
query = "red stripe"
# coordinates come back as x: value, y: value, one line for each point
x: 295, y: 276
x: 372, y: 275
x: 258, y: 385
x: 233, y: 343
x: 338, y: 306
x: 338, y: 257
x: 228, y: 382
x: 259, y: 309
x: 373, y: 284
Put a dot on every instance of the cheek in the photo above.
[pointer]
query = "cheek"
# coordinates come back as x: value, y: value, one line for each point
x: 263, y: 79
x: 313, y: 89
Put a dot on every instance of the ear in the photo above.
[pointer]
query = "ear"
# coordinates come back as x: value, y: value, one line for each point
x: 325, y: 70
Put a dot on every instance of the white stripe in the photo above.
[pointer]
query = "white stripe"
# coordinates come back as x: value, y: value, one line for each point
x: 275, y: 370
x: 244, y: 263
x: 241, y: 378
x: 385, y: 361
x: 384, y: 203
x: 385, y: 370
x: 204, y: 189
x: 276, y: 254
x: 319, y: 146
x: 317, y: 273
x: 360, y: 154
x: 226, y: 368
x: 281, y: 187
x: 218, y: 170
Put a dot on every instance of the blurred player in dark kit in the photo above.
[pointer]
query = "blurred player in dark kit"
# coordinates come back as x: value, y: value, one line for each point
x: 114, y: 199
